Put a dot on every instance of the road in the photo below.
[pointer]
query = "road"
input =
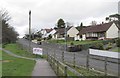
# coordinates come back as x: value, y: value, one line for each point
x: 80, y: 57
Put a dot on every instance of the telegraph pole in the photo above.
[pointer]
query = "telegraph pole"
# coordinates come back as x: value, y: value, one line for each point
x: 29, y: 30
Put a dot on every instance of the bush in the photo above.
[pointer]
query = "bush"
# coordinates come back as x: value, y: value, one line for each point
x: 77, y: 40
x: 97, y: 46
x: 38, y: 39
x: 109, y: 46
x: 3, y: 45
x: 74, y: 48
x: 71, y: 43
x: 49, y: 37
x: 118, y: 42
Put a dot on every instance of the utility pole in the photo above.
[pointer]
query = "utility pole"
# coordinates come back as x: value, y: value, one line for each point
x: 29, y: 30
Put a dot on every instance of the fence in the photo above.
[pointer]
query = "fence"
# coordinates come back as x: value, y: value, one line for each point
x: 90, y: 62
x: 78, y: 59
x: 61, y: 69
x: 105, y: 55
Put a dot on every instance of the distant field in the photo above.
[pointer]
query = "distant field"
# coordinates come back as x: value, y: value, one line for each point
x: 13, y: 66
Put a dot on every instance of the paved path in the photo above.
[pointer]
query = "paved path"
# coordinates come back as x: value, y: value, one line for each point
x: 42, y: 67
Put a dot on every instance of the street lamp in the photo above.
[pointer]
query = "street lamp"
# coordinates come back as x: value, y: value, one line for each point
x: 65, y: 41
x: 65, y: 36
x: 29, y: 30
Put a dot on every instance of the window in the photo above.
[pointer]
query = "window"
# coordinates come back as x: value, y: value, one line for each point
x: 80, y: 36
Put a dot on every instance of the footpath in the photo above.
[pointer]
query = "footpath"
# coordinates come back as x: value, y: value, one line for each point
x: 42, y: 67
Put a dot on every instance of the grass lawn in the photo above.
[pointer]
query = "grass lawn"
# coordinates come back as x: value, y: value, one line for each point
x: 117, y: 49
x: 15, y: 48
x: 0, y: 63
x: 74, y: 42
x: 0, y: 45
x: 85, y: 72
x: 13, y: 66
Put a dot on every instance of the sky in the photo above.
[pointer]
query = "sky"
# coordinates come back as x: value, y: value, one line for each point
x: 45, y: 13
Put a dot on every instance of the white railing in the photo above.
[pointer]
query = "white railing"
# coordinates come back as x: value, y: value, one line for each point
x: 104, y: 53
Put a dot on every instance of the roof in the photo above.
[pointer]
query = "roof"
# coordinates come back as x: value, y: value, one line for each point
x: 48, y: 30
x: 62, y: 30
x: 97, y: 28
x: 117, y: 24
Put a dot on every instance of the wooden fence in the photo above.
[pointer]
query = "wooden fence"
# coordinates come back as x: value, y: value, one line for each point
x: 60, y: 68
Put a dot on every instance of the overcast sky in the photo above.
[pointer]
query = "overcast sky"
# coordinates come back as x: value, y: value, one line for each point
x: 45, y: 13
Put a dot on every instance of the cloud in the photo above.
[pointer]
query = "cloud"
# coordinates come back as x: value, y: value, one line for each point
x: 45, y: 13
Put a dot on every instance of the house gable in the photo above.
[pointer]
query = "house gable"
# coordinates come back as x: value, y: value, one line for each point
x: 112, y: 32
x: 72, y: 32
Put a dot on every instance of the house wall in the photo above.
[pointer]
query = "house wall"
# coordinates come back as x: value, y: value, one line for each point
x: 77, y: 37
x: 44, y: 33
x: 72, y: 32
x: 112, y: 32
x: 54, y: 36
x: 83, y: 37
x: 52, y: 33
x: 119, y: 33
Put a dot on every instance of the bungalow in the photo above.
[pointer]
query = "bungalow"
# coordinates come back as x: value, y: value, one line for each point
x: 71, y: 32
x: 45, y: 32
x: 102, y: 31
x: 52, y: 33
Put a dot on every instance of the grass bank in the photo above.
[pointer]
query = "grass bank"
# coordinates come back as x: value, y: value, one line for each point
x: 116, y: 49
x: 74, y: 42
x: 16, y: 49
x: 85, y: 72
x: 12, y: 66
x: 0, y: 63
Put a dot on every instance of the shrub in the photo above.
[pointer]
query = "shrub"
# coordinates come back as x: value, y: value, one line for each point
x: 109, y: 46
x: 97, y: 46
x: 71, y: 43
x: 77, y: 40
x: 118, y: 42
x: 38, y: 39
x: 3, y: 45
x: 49, y: 37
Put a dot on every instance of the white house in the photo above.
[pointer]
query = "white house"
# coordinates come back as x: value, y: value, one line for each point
x: 45, y: 32
x: 71, y: 32
x: 102, y: 31
x: 52, y: 33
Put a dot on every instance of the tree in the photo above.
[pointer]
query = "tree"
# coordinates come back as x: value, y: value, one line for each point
x: 81, y: 26
x: 113, y: 17
x: 9, y: 35
x: 69, y: 24
x: 60, y: 23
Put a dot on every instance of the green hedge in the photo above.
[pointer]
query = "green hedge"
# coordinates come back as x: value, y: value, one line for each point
x: 97, y: 44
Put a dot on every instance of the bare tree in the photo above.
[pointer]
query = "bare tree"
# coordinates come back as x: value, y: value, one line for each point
x: 9, y: 34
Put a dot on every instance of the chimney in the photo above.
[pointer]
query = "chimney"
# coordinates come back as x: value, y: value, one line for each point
x: 102, y: 22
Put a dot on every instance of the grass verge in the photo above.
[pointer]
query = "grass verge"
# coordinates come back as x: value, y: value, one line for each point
x: 0, y: 63
x: 74, y: 42
x: 12, y: 66
x: 117, y: 49
x: 85, y: 72
x: 15, y: 48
